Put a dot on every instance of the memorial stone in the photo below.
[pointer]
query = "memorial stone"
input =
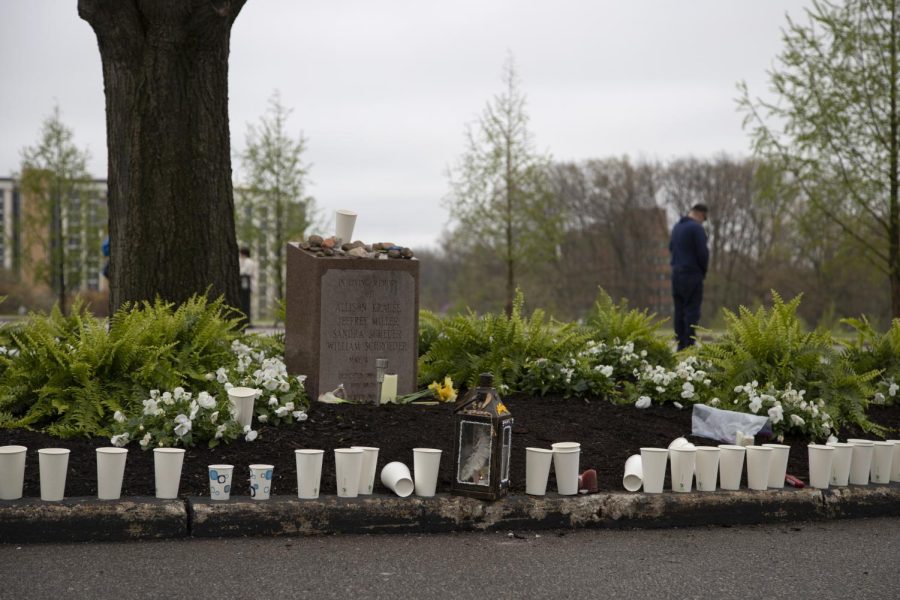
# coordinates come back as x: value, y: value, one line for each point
x: 342, y: 313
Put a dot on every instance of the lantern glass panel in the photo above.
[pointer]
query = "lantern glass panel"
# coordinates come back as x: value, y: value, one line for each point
x: 474, y: 458
x: 504, y: 458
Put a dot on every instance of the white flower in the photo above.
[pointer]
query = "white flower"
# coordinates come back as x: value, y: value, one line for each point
x: 227, y: 386
x: 714, y: 402
x: 221, y: 375
x: 607, y: 370
x: 755, y: 404
x: 210, y: 376
x: 832, y: 439
x: 281, y: 411
x: 206, y: 401
x: 678, y: 405
x: 119, y: 440
x: 273, y: 401
x: 289, y: 406
x: 220, y: 430
x: 178, y: 393
x: 251, y: 435
x: 301, y: 379
x: 892, y: 390
x: 642, y: 402
x: 167, y: 398
x: 776, y: 414
x: 151, y: 407
x: 213, y: 417
x: 798, y: 421
x: 182, y: 425
x: 879, y: 398
x: 145, y: 441
x: 263, y: 418
x: 300, y: 415
x: 194, y: 409
x: 119, y: 417
x: 285, y: 386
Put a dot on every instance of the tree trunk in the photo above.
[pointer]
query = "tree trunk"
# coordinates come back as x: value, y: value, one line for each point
x: 171, y: 205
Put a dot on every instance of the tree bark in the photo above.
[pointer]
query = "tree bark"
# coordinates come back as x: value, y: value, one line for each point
x: 171, y: 205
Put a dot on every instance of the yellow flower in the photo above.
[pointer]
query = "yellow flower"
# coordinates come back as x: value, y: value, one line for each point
x: 443, y: 392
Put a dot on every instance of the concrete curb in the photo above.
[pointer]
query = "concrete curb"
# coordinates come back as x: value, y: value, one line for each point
x: 88, y: 519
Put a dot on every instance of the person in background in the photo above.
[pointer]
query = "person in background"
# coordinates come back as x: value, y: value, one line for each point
x: 690, y: 260
x: 248, y: 277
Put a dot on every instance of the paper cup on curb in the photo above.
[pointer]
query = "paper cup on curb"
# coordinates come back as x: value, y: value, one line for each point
x: 653, y: 465
x: 681, y: 461
x: 778, y: 464
x: 261, y: 481
x: 54, y: 463
x: 861, y: 461
x: 367, y: 470
x: 110, y: 472
x: 344, y: 222
x: 634, y: 473
x: 759, y: 461
x: 840, y: 463
x: 565, y: 463
x: 396, y: 477
x: 347, y: 465
x: 537, y: 470
x: 12, y: 471
x: 895, y: 462
x: 426, y: 463
x: 820, y: 459
x: 309, y: 472
x: 731, y: 466
x: 706, y: 468
x: 882, y: 461
x: 242, y: 400
x: 220, y: 477
x: 167, y: 471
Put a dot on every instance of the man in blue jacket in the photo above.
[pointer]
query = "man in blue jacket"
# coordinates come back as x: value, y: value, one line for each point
x: 690, y: 260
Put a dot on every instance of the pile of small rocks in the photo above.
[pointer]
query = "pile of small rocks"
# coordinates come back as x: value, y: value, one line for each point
x: 335, y: 248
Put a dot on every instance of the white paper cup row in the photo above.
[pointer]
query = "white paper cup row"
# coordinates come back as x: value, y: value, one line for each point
x: 855, y: 462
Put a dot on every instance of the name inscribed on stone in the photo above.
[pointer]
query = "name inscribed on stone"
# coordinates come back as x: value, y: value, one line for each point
x: 366, y: 314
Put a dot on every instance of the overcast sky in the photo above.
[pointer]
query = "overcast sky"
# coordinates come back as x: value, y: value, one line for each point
x: 383, y: 89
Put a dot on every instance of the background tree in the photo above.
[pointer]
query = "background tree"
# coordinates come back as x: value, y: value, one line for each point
x: 273, y: 207
x: 171, y: 208
x: 833, y: 125
x: 60, y: 227
x: 500, y: 199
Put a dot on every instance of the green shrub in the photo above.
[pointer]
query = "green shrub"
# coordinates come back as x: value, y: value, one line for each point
x: 871, y: 350
x: 770, y: 350
x: 614, y: 323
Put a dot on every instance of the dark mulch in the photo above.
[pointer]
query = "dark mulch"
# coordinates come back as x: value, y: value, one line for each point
x: 608, y: 435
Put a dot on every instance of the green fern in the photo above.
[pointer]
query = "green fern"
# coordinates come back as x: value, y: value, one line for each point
x: 610, y: 323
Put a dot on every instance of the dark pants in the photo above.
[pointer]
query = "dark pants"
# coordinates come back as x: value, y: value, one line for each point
x: 687, y: 292
x: 245, y: 299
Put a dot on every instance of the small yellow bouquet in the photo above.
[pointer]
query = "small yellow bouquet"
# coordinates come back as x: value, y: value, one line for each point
x: 434, y: 393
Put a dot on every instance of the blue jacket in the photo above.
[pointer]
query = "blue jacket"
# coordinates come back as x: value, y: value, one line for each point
x: 688, y: 247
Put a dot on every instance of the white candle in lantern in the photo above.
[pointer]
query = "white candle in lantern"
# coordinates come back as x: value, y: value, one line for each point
x: 389, y: 388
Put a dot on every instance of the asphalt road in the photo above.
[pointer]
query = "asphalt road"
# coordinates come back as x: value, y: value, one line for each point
x: 850, y: 559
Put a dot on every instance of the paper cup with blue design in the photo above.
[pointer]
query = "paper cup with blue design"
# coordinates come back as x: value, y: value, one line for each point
x: 220, y: 481
x: 261, y: 481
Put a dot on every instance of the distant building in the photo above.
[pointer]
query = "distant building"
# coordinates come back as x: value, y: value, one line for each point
x: 25, y: 244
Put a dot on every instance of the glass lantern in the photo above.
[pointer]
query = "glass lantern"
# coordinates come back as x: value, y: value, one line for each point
x: 482, y: 444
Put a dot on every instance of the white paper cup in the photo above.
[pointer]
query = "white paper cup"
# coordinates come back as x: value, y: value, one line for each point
x: 682, y: 462
x: 840, y: 463
x: 895, y: 462
x: 706, y: 468
x: 261, y: 481
x: 220, y: 478
x: 167, y: 470
x: 309, y: 472
x: 537, y: 470
x: 634, y: 473
x: 861, y: 461
x: 426, y: 463
x: 396, y: 477
x: 731, y: 466
x: 110, y: 472
x: 53, y: 463
x: 348, y: 464
x: 653, y: 465
x: 344, y: 222
x: 759, y: 462
x: 242, y: 400
x: 679, y: 442
x: 565, y: 446
x: 820, y: 460
x: 12, y: 472
x: 882, y: 461
x: 778, y: 464
x: 367, y: 470
x: 565, y: 463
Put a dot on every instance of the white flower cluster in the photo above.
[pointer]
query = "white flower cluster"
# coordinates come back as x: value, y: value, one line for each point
x: 787, y: 403
x: 687, y: 381
x: 888, y: 388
